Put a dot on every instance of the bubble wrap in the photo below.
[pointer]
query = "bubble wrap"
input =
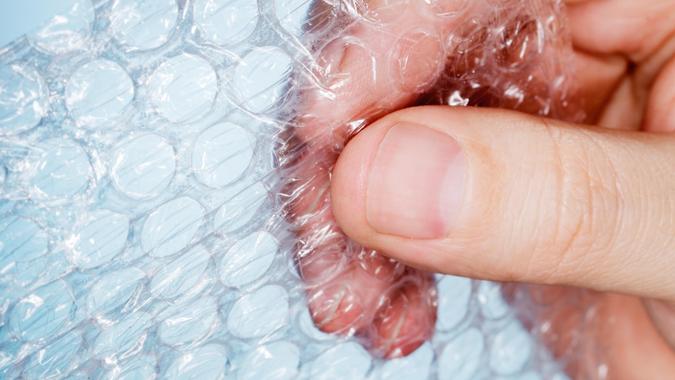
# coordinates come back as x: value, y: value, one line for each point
x: 164, y: 168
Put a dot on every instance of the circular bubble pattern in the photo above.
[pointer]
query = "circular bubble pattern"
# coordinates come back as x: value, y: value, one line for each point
x: 62, y: 169
x: 221, y: 154
x: 143, y: 24
x: 225, y: 22
x: 143, y: 167
x: 260, y: 78
x: 98, y: 91
x: 183, y: 88
x: 141, y: 233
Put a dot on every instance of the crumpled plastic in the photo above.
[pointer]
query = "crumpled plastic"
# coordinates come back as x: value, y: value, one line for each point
x: 164, y: 168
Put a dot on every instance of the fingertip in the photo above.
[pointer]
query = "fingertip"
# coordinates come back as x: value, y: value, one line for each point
x: 349, y: 181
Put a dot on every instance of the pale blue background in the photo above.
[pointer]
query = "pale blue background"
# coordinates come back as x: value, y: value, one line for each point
x: 18, y: 17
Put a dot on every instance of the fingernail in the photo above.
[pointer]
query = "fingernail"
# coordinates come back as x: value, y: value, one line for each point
x: 416, y: 183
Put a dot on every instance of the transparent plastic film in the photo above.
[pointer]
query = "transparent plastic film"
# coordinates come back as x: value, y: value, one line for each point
x: 165, y: 173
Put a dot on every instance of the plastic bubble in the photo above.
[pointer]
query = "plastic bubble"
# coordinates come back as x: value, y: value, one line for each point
x: 183, y: 88
x: 143, y: 24
x: 23, y: 99
x: 66, y: 32
x: 225, y: 22
x: 98, y: 92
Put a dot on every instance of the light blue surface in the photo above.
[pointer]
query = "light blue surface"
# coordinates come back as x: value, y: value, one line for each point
x: 18, y: 17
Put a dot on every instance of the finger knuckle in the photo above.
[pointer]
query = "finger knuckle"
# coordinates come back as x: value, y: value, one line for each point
x: 587, y: 204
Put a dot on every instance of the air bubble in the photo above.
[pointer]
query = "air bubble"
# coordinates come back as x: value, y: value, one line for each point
x: 189, y: 323
x: 123, y: 337
x: 274, y: 361
x: 343, y: 361
x: 113, y: 290
x: 183, y: 88
x: 171, y: 227
x: 260, y: 313
x: 66, y: 32
x: 221, y: 154
x: 62, y: 169
x: 180, y: 275
x: 97, y: 92
x: 225, y: 22
x: 21, y: 240
x: 248, y: 259
x: 138, y: 368
x: 453, y: 301
x: 510, y: 349
x: 143, y: 167
x: 23, y: 100
x: 242, y: 201
x: 98, y: 241
x: 260, y: 78
x: 56, y: 360
x: 492, y: 303
x: 43, y: 313
x: 461, y: 357
x: 205, y: 363
x: 415, y: 366
x: 143, y: 24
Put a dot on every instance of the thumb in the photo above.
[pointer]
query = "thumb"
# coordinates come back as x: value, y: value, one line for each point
x: 504, y: 196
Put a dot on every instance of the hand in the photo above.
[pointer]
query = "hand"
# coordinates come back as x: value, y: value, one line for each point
x: 504, y: 196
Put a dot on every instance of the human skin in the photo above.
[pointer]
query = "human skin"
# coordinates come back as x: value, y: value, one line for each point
x: 541, y: 202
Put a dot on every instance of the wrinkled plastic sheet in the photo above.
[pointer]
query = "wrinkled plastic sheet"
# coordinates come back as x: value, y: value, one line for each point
x: 144, y: 175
